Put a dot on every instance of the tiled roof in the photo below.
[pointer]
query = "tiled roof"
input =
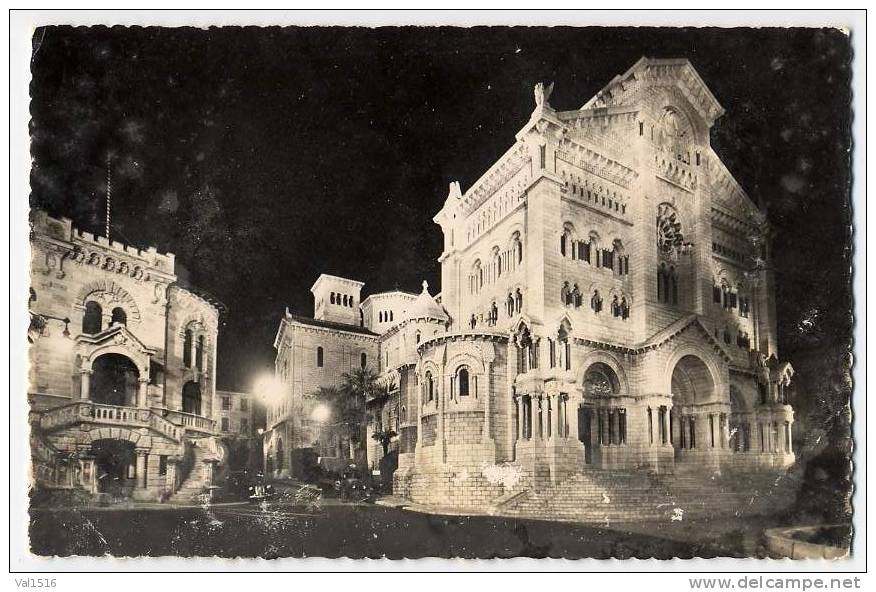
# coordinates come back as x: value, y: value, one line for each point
x: 304, y: 320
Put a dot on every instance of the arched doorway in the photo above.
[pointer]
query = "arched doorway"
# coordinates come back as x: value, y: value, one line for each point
x: 601, y: 421
x: 191, y: 398
x: 114, y: 381
x: 116, y: 464
x: 740, y: 425
x: 692, y: 386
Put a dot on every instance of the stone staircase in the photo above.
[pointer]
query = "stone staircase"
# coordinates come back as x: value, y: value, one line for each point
x: 597, y: 495
x: 193, y: 482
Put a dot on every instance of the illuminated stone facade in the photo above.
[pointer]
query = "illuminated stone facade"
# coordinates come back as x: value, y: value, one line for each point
x: 122, y: 373
x: 607, y: 304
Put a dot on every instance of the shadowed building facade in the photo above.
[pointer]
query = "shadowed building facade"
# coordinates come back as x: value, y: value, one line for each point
x: 122, y: 372
x: 607, y: 312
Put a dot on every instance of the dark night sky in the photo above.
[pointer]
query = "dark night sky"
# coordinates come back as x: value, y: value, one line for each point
x: 262, y: 157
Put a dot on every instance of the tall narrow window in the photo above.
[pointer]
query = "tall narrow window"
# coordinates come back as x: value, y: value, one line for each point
x: 430, y: 387
x: 199, y: 353
x: 187, y: 349
x: 319, y: 357
x: 363, y: 360
x: 91, y: 322
x: 462, y: 386
x: 650, y: 426
x: 119, y: 316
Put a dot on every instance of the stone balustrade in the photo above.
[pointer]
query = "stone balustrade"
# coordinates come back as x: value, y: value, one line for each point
x: 99, y: 413
x: 191, y: 421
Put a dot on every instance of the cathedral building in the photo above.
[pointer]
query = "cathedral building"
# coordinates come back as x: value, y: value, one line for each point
x: 606, y: 312
x: 122, y: 370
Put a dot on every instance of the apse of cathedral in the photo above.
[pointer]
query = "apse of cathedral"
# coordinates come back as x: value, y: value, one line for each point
x: 606, y: 314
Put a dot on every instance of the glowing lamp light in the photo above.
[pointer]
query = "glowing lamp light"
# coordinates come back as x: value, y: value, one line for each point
x: 269, y: 389
x: 321, y: 413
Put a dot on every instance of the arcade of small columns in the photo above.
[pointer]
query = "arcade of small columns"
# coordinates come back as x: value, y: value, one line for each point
x: 550, y: 419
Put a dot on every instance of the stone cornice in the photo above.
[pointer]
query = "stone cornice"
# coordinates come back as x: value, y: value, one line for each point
x: 291, y: 323
x: 593, y: 161
x: 496, y: 176
x: 456, y: 337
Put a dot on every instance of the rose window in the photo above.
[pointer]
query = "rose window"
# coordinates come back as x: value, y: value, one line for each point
x: 669, y: 234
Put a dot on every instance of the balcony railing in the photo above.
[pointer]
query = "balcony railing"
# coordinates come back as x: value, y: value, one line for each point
x: 99, y: 413
x: 191, y: 421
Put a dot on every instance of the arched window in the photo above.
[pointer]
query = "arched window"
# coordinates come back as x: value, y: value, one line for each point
x: 418, y: 336
x: 518, y: 301
x: 509, y: 304
x: 566, y: 294
x: 430, y: 387
x: 187, y: 349
x: 344, y: 300
x: 390, y: 316
x: 576, y: 296
x: 596, y: 301
x: 600, y: 380
x: 462, y: 381
x: 93, y: 319
x: 199, y: 353
x: 363, y: 360
x: 119, y: 316
x: 332, y: 298
x: 516, y: 251
x: 319, y: 357
x: 191, y: 398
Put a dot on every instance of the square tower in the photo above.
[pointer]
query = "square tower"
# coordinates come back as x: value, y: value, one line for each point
x: 336, y: 299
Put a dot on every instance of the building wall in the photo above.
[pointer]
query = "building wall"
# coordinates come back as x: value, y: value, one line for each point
x: 71, y: 271
x: 239, y: 413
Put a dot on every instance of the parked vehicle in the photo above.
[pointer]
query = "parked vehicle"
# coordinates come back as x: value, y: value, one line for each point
x: 353, y: 487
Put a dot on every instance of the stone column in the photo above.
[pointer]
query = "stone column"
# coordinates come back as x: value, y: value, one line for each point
x: 518, y: 401
x: 561, y: 416
x: 85, y: 384
x: 143, y: 394
x: 573, y: 423
x: 666, y: 427
x: 419, y: 417
x: 487, y: 382
x: 440, y: 435
x: 170, y: 476
x: 141, y: 469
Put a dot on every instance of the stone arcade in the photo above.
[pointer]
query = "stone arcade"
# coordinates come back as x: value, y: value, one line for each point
x: 122, y: 370
x: 606, y: 323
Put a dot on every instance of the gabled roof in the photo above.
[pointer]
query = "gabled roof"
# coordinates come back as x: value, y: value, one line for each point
x: 677, y: 328
x: 305, y: 320
x: 676, y: 71
x: 114, y: 333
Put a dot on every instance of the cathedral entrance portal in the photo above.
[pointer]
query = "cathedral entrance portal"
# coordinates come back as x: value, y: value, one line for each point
x: 692, y: 387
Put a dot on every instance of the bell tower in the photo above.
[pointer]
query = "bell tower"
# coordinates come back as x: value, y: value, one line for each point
x: 336, y: 299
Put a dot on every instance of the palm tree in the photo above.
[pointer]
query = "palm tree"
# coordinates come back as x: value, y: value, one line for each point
x: 384, y: 437
x: 358, y: 386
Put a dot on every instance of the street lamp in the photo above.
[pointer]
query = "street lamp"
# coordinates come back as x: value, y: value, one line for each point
x: 269, y: 389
